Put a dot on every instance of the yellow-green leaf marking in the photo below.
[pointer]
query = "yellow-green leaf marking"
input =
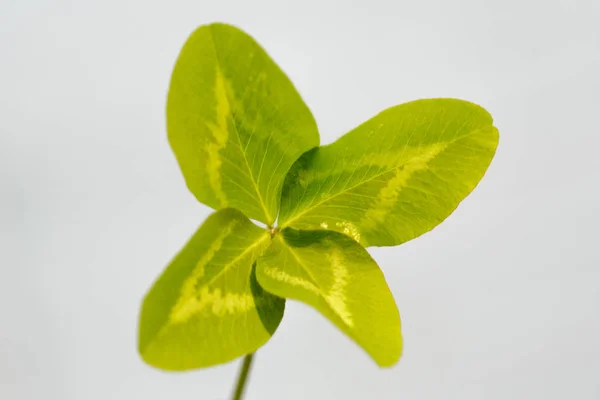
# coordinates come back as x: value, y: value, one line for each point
x: 394, y: 177
x: 207, y: 307
x: 335, y: 275
x: 235, y: 122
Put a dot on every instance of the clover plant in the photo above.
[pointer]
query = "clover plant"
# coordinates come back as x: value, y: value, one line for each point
x: 248, y: 147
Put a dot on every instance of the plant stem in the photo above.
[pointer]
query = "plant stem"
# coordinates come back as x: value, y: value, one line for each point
x: 243, y: 377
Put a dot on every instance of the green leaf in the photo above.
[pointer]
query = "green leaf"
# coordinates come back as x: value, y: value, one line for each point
x: 335, y: 275
x: 394, y: 177
x: 207, y: 307
x: 235, y: 122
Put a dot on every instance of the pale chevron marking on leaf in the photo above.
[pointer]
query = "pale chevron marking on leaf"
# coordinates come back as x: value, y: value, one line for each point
x: 182, y: 309
x: 388, y: 195
x: 336, y: 297
x: 220, y: 135
x: 284, y: 277
x: 194, y: 300
x: 409, y: 156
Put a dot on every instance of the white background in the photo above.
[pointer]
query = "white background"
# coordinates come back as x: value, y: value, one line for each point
x: 501, y: 301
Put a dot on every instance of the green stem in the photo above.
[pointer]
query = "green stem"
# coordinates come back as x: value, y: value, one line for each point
x: 243, y: 377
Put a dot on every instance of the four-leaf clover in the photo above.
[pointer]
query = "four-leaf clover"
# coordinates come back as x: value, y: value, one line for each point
x: 248, y: 147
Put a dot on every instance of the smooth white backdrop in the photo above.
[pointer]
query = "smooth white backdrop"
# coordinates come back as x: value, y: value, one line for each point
x: 502, y: 301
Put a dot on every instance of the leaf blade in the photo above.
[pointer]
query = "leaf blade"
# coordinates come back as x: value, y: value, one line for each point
x: 231, y: 112
x: 207, y: 308
x: 336, y: 276
x: 395, y: 176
